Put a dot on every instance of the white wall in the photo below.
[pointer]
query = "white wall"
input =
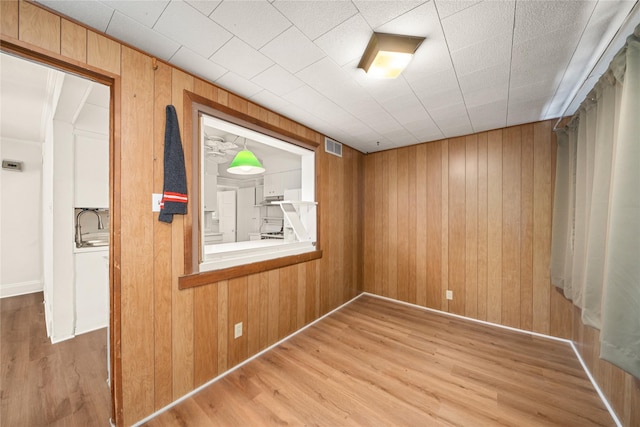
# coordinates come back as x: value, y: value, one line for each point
x: 62, y: 298
x: 20, y: 219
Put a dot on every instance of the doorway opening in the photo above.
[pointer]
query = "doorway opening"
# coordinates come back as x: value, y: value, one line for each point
x: 57, y: 123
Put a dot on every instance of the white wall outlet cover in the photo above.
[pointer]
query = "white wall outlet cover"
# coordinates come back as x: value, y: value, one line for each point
x: 237, y: 330
x: 449, y: 294
x: 155, y: 202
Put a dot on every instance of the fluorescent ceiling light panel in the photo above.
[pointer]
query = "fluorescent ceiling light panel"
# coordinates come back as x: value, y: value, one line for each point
x: 387, y: 55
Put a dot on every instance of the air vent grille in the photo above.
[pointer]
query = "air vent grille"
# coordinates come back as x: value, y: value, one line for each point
x: 333, y: 147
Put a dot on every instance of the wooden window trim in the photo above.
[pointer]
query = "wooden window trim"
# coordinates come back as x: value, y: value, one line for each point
x: 192, y: 105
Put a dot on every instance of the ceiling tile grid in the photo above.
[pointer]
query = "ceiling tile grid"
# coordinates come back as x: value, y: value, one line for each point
x: 483, y: 64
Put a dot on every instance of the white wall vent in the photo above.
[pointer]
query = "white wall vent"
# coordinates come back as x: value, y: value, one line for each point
x: 333, y: 147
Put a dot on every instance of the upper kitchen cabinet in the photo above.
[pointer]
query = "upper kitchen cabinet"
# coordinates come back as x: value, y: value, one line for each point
x: 276, y: 183
x: 91, y: 171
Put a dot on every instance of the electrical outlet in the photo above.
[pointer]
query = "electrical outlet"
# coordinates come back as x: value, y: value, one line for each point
x: 449, y: 294
x: 237, y: 330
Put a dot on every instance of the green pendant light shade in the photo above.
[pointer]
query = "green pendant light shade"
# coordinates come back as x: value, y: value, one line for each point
x: 245, y: 163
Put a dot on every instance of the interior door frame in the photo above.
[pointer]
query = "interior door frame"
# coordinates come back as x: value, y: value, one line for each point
x: 58, y: 62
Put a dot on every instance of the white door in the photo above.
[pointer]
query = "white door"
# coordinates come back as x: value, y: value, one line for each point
x: 227, y: 215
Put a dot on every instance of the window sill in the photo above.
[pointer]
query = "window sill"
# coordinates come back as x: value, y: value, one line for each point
x: 231, y: 272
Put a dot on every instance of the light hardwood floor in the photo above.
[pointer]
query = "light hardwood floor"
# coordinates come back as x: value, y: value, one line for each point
x: 377, y: 363
x: 44, y: 384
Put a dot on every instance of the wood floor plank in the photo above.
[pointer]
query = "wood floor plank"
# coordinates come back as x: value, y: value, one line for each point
x: 44, y: 384
x: 377, y: 362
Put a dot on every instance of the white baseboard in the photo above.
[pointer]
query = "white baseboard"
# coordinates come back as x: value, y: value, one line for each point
x: 56, y: 340
x: 21, y: 288
x: 89, y: 328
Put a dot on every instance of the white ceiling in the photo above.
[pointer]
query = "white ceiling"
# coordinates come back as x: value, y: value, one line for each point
x: 483, y: 65
x: 32, y: 94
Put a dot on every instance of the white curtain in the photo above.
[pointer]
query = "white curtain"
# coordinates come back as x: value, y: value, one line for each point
x: 595, y: 253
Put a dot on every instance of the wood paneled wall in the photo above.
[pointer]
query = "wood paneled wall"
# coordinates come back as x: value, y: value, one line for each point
x: 622, y: 389
x: 169, y: 341
x: 471, y: 215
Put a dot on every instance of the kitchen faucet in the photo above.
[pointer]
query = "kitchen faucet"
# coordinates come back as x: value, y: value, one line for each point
x: 79, y: 228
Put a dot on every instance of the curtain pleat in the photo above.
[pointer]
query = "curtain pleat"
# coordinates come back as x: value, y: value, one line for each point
x: 595, y: 246
x: 620, y: 334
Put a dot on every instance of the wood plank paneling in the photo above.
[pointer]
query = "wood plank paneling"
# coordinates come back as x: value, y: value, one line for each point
x: 103, y: 52
x: 237, y: 314
x: 392, y: 226
x: 205, y: 352
x: 444, y: 303
x: 471, y: 227
x: 494, y: 226
x: 73, y: 41
x: 482, y: 225
x: 182, y: 301
x: 541, y: 225
x: 223, y: 324
x: 369, y: 236
x: 434, y: 224
x: 511, y: 211
x: 39, y: 27
x: 421, y: 223
x: 526, y: 230
x: 457, y: 227
x: 403, y: 226
x: 137, y: 313
x: 253, y: 314
x: 9, y: 18
x: 162, y: 273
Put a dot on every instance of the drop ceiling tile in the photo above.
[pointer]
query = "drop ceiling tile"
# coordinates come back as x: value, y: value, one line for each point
x: 187, y: 26
x: 431, y: 57
x: 400, y: 137
x: 144, y: 38
x: 485, y: 54
x: 270, y: 100
x: 607, y: 18
x: 347, y: 41
x: 486, y: 95
x: 292, y: 50
x: 205, y: 6
x: 241, y: 58
x: 421, y: 21
x: 314, y: 18
x: 238, y: 85
x: 492, y: 115
x: 451, y: 118
x: 144, y: 12
x: 477, y: 23
x: 538, y: 89
x: 378, y: 13
x: 534, y: 18
x: 322, y: 75
x: 426, y: 85
x: 92, y: 13
x: 449, y: 7
x: 277, y: 80
x: 436, y: 100
x: 255, y: 22
x: 492, y: 76
x: 196, y: 64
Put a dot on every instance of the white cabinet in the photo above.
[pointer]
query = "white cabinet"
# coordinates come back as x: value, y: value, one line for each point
x: 273, y: 185
x: 92, y: 290
x: 91, y: 160
x: 276, y: 183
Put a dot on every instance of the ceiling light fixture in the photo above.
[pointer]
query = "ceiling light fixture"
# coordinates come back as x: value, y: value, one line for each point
x: 387, y: 55
x: 245, y: 163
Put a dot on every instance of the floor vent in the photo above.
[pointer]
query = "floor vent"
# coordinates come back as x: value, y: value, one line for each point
x: 333, y: 147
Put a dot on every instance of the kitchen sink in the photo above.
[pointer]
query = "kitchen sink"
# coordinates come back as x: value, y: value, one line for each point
x: 91, y: 240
